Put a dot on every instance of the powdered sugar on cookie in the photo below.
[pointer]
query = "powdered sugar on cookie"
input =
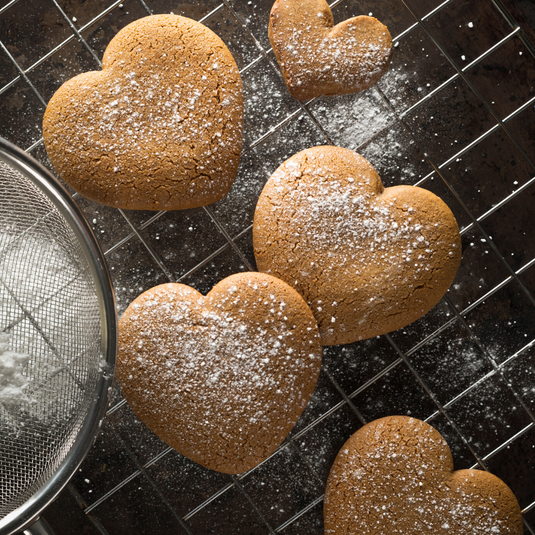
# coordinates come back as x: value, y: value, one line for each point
x: 395, y: 475
x: 368, y: 260
x: 318, y: 58
x: 221, y: 378
x: 153, y: 130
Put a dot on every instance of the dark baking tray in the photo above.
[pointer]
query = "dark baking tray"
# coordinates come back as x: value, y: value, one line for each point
x: 455, y: 114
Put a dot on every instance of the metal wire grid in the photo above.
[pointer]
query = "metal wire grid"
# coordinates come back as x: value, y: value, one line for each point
x: 49, y: 306
x: 140, y: 233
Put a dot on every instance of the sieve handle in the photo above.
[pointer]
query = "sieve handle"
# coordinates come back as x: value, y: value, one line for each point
x: 39, y: 527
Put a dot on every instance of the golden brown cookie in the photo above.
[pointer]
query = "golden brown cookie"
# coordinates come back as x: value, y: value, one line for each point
x: 318, y: 58
x: 159, y: 128
x: 395, y: 475
x: 367, y: 260
x: 222, y: 378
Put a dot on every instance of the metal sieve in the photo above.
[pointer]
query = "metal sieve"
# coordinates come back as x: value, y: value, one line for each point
x: 58, y: 323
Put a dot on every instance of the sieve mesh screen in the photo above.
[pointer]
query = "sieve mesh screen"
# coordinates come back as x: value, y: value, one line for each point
x: 49, y: 312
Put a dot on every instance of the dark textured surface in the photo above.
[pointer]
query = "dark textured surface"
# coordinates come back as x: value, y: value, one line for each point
x: 466, y: 367
x: 523, y: 12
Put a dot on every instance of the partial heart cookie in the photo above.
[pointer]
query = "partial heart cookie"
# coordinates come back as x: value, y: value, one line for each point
x: 367, y: 260
x: 318, y: 58
x: 395, y: 475
x: 222, y: 378
x: 159, y: 128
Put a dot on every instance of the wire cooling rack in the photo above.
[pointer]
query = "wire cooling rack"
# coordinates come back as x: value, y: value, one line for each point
x: 455, y: 114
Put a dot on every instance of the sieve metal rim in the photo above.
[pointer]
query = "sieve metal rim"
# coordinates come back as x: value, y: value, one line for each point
x: 22, y: 517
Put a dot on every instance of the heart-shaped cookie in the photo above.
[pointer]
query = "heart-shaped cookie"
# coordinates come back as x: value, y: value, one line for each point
x: 367, y: 260
x: 159, y: 128
x: 222, y: 378
x: 395, y: 475
x: 318, y: 58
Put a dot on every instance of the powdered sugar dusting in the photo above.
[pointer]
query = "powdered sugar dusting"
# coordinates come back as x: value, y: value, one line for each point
x: 360, y: 225
x: 346, y: 219
x: 13, y: 380
x: 338, y: 51
x: 352, y: 120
